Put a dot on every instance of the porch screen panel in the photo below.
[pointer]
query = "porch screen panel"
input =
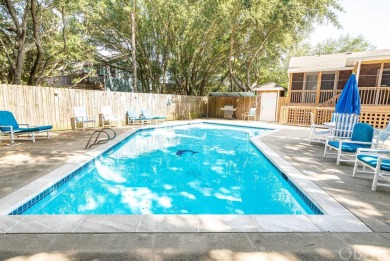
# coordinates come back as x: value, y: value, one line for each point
x: 343, y: 78
x: 369, y: 74
x: 310, y: 88
x: 327, y: 86
x: 386, y: 75
x: 384, y: 93
x: 297, y: 87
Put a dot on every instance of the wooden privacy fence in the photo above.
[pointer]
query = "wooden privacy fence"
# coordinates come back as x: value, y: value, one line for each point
x: 242, y: 105
x: 48, y: 105
x: 377, y: 116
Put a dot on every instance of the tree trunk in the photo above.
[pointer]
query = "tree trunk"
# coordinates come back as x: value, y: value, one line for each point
x: 133, y: 45
x: 37, y: 37
x: 20, y: 31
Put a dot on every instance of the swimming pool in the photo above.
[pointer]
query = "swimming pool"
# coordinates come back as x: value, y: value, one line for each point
x: 191, y: 169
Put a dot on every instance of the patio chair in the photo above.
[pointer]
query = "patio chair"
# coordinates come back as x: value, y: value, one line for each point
x: 108, y: 117
x: 318, y: 132
x: 133, y: 118
x: 250, y: 114
x: 81, y: 118
x: 156, y: 119
x: 381, y: 136
x: 344, y: 124
x: 10, y: 127
x: 378, y: 163
x: 362, y: 137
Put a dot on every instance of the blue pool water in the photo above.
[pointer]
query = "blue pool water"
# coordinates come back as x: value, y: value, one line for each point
x: 191, y: 169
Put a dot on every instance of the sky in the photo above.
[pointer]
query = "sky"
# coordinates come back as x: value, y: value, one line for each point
x: 369, y: 18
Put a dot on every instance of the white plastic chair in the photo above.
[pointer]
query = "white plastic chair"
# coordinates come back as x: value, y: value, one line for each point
x: 318, y: 132
x: 381, y: 136
x: 250, y: 114
x: 81, y: 117
x: 344, y: 125
x: 109, y: 117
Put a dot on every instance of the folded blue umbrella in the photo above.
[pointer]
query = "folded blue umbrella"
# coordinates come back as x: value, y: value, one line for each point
x: 349, y: 101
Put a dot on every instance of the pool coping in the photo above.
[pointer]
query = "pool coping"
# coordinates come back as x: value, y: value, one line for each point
x: 336, y: 218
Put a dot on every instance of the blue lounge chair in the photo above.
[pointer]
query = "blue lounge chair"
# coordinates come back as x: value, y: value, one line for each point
x: 376, y: 160
x: 133, y: 118
x: 10, y: 127
x: 148, y: 115
x: 362, y: 137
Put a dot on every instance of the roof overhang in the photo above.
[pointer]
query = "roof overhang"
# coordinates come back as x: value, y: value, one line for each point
x: 354, y: 60
x: 320, y: 69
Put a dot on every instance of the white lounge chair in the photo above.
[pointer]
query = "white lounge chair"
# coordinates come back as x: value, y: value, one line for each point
x: 81, y: 117
x: 378, y: 163
x: 250, y: 114
x: 108, y: 117
x: 318, y: 132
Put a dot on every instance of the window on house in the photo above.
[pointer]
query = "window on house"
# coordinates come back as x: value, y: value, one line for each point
x: 327, y: 81
x: 385, y: 82
x: 297, y: 81
x: 369, y: 74
x: 343, y: 78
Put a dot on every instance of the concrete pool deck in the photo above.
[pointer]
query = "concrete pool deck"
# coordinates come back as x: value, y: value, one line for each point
x: 26, y: 162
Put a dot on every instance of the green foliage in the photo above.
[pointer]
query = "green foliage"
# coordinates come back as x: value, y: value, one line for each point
x: 42, y: 38
x: 182, y: 46
x: 193, y: 47
x: 343, y: 44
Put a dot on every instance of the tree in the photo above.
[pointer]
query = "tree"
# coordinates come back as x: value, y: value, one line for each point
x: 40, y: 37
x: 183, y: 46
x: 264, y: 29
x: 193, y: 47
x: 342, y: 44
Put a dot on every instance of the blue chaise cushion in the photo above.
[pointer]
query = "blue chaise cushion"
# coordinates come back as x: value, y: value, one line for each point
x: 37, y: 128
x: 45, y: 127
x: 373, y: 160
x: 347, y: 147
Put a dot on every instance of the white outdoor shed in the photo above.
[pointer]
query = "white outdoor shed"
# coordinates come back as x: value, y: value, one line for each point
x: 267, y: 100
